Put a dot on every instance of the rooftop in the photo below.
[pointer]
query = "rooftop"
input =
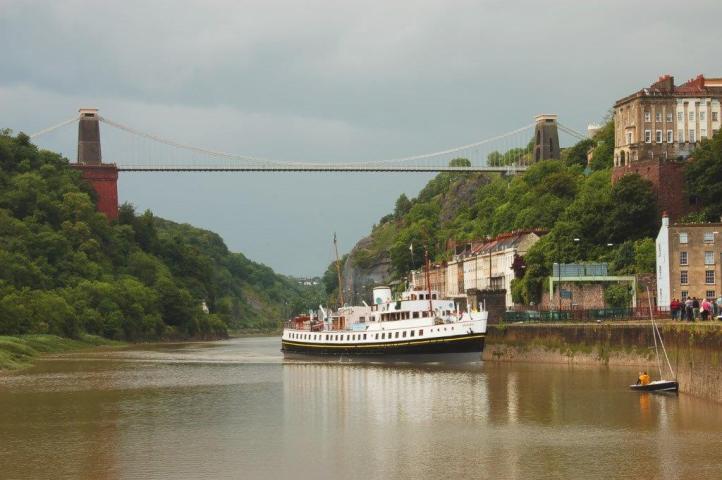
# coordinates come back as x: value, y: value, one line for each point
x: 665, y: 87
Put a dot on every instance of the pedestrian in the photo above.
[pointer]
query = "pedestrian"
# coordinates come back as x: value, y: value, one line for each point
x: 703, y: 310
x: 689, y: 309
x: 695, y: 308
x: 675, y: 307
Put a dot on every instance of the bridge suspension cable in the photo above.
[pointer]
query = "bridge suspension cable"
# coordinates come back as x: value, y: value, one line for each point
x: 55, y: 127
x: 572, y: 132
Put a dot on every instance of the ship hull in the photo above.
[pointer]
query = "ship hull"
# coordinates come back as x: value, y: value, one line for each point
x: 427, y: 348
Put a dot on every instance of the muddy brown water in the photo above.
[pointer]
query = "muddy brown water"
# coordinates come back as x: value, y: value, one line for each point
x: 236, y: 409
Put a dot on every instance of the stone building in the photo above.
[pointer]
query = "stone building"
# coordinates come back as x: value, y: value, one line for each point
x: 688, y: 261
x: 657, y: 128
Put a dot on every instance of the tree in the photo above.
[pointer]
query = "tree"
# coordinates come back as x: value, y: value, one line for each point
x: 603, y: 153
x: 577, y: 153
x: 634, y: 209
x: 403, y: 205
x: 703, y: 176
x: 460, y: 162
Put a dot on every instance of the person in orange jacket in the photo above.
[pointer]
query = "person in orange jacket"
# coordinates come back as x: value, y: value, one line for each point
x: 643, y: 379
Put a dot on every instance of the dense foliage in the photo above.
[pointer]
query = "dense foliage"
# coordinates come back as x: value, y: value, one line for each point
x: 613, y: 223
x: 64, y: 269
x: 704, y: 177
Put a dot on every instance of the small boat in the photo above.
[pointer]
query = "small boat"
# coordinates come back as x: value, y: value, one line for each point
x: 657, y: 385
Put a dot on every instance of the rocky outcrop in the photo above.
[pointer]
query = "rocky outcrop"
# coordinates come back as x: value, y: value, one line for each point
x: 358, y: 279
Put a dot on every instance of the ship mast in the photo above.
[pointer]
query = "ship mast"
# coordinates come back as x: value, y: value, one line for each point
x: 338, y: 272
x: 428, y: 278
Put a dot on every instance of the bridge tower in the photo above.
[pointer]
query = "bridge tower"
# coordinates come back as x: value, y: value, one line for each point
x: 546, y: 138
x: 102, y: 176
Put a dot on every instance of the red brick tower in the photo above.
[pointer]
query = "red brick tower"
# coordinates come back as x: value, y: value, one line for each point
x: 102, y: 176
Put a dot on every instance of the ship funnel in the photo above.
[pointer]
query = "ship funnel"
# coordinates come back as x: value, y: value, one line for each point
x: 382, y: 295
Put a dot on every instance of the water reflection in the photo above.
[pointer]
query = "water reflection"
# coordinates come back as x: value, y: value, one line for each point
x: 237, y: 410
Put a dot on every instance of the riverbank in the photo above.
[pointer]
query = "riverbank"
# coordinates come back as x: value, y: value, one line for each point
x: 694, y: 349
x: 17, y: 352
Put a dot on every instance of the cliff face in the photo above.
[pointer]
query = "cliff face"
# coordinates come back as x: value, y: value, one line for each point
x: 360, y: 277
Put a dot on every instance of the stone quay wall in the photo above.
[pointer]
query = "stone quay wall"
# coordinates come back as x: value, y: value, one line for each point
x: 694, y: 349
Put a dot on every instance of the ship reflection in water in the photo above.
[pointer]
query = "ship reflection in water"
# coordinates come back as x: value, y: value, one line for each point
x: 236, y: 409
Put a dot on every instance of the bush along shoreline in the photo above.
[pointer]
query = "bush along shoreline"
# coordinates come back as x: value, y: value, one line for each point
x: 18, y: 352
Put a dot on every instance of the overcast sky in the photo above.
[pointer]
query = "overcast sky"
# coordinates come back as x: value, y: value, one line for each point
x: 328, y: 81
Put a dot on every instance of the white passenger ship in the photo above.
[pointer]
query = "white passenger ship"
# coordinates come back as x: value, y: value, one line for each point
x: 418, y: 323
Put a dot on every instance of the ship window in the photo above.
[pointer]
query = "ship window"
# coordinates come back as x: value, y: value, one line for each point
x: 412, y: 333
x: 433, y: 296
x: 364, y: 336
x: 416, y: 314
x: 397, y: 335
x: 383, y: 336
x: 404, y: 335
x: 377, y: 336
x: 421, y: 333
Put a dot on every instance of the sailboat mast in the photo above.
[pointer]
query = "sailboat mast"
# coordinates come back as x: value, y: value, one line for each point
x: 338, y: 272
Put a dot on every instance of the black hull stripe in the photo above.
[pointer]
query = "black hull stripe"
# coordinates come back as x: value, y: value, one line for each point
x: 465, y: 344
x: 381, y: 345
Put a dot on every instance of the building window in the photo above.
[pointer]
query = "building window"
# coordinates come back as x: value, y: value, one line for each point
x: 647, y: 116
x: 669, y: 117
x: 683, y: 277
x: 691, y: 136
x: 709, y: 258
x: 658, y: 116
x: 685, y: 294
x: 710, y: 294
x: 708, y: 237
x: 702, y: 116
x: 683, y: 258
x: 683, y: 237
x: 709, y: 277
x: 670, y: 136
x: 679, y: 117
x: 647, y: 136
x: 715, y: 116
x: 702, y: 133
x: 680, y: 135
x: 658, y: 135
x: 691, y: 115
x: 629, y: 138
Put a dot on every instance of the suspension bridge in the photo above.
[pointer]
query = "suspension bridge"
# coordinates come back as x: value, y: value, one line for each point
x: 130, y: 149
x: 133, y: 150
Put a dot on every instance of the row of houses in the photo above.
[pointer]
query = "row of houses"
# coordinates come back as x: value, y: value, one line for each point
x: 489, y: 264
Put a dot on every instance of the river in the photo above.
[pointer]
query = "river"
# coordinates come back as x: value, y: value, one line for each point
x: 235, y: 409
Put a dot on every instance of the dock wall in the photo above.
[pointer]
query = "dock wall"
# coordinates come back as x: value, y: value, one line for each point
x: 694, y: 349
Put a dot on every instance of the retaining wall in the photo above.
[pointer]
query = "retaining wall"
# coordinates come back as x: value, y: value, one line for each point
x: 694, y: 349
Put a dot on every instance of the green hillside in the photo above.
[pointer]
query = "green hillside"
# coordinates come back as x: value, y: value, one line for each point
x: 65, y: 270
x: 564, y: 196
